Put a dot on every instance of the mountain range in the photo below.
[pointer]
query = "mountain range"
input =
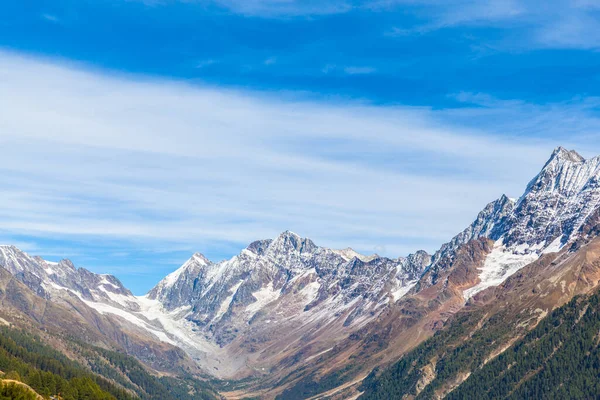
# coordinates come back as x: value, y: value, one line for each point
x: 288, y: 319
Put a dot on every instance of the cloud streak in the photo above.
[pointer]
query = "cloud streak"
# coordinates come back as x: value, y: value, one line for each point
x: 553, y: 24
x: 286, y: 8
x: 359, y: 70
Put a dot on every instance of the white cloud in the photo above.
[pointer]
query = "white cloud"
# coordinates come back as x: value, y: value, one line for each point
x: 359, y: 70
x: 50, y: 17
x: 88, y: 154
x: 349, y: 70
x: 286, y: 8
x: 205, y: 63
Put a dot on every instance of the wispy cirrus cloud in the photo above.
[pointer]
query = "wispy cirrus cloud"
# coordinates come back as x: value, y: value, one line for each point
x: 206, y: 63
x: 359, y: 70
x: 93, y: 157
x: 348, y: 70
x: 50, y: 18
x: 287, y: 8
x: 552, y: 24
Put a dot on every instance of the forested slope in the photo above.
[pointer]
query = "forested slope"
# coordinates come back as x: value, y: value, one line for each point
x: 108, y: 375
x: 558, y: 359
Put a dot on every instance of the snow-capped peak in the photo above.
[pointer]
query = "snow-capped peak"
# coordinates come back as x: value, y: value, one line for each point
x: 197, y: 262
x: 565, y: 172
x: 558, y: 200
x: 289, y: 241
x: 45, y: 278
x: 560, y: 153
x: 557, y: 203
x: 201, y: 259
x: 289, y: 279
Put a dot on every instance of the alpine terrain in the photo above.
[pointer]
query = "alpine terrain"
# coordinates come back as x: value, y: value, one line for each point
x: 289, y: 319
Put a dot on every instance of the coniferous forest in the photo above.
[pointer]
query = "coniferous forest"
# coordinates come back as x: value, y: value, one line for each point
x: 558, y: 359
x: 26, y: 358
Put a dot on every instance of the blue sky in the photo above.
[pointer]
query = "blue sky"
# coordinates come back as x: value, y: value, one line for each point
x: 134, y: 133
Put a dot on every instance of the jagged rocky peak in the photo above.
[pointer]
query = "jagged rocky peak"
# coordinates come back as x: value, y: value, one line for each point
x: 66, y: 263
x: 191, y: 269
x: 31, y: 269
x: 560, y: 153
x: 289, y: 241
x: 566, y: 172
x: 200, y: 259
x: 557, y: 202
x: 259, y: 247
x: 417, y: 261
x: 287, y: 276
x: 196, y: 261
x: 409, y: 271
x: 489, y: 222
x: 15, y: 260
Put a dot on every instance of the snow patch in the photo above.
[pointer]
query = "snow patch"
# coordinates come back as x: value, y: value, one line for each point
x: 227, y: 302
x: 349, y: 254
x: 311, y: 291
x: 263, y: 297
x: 400, y: 292
x: 103, y: 308
x: 555, y: 246
x: 180, y: 329
x: 106, y: 282
x: 121, y: 299
x: 502, y: 263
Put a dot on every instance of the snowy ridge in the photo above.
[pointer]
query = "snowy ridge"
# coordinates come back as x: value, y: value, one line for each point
x: 44, y: 277
x: 490, y: 223
x: 548, y: 216
x: 290, y: 274
x: 106, y: 295
x: 197, y: 260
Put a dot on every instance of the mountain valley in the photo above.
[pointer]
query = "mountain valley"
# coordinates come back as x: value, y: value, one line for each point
x: 288, y: 319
